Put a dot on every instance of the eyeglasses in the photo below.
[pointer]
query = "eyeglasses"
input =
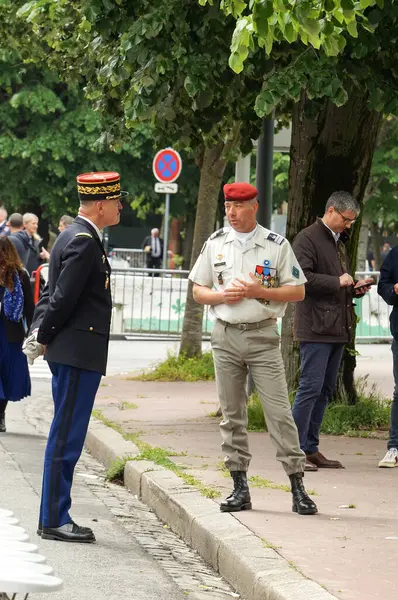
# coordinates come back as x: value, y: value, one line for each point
x: 346, y: 220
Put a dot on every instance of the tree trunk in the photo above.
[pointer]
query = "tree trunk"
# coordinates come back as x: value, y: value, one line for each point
x: 331, y: 149
x: 211, y: 174
x: 188, y: 241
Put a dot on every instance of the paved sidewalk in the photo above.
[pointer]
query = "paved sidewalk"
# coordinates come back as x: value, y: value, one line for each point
x: 135, y: 555
x: 350, y: 551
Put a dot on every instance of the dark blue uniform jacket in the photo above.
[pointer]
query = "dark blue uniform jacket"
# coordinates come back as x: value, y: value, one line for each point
x: 74, y: 312
x: 388, y: 278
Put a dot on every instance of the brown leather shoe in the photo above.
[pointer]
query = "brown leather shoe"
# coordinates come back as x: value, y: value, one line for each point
x: 309, y: 466
x: 322, y: 462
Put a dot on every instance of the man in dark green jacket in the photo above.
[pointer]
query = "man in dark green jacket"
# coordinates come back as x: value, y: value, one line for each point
x: 324, y: 319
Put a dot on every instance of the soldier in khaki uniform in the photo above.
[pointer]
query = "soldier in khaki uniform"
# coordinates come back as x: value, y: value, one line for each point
x: 248, y: 274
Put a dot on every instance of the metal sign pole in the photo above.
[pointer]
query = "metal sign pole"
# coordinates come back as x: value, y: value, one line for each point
x: 166, y: 231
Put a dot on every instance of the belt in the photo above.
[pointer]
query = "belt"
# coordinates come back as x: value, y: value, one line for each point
x: 248, y: 326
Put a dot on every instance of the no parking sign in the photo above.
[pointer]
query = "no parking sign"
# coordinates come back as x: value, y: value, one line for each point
x: 167, y: 165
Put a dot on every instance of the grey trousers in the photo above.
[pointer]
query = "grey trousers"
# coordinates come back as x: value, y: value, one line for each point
x: 234, y: 351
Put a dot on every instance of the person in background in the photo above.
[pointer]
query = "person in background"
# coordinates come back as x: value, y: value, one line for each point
x: 4, y: 228
x: 388, y: 290
x: 370, y: 257
x: 27, y: 243
x: 153, y: 247
x: 324, y: 319
x: 16, y: 313
x: 385, y: 250
x: 15, y: 223
x: 64, y: 222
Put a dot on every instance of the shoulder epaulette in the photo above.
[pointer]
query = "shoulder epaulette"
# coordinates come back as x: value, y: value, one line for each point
x: 83, y: 234
x: 219, y: 232
x: 215, y: 235
x: 275, y: 237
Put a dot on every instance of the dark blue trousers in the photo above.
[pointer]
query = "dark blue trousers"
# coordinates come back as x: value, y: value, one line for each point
x: 319, y: 369
x: 393, y: 441
x: 74, y: 392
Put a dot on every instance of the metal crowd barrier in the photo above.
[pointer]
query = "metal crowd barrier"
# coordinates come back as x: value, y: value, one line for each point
x: 127, y: 258
x: 372, y: 312
x: 152, y: 302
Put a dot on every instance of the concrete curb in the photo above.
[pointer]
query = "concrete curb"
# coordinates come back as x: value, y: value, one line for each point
x: 256, y: 572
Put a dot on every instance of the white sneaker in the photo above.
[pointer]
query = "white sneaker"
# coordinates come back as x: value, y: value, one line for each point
x: 390, y: 459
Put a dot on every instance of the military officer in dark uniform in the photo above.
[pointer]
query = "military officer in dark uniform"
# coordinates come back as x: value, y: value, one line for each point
x: 73, y: 320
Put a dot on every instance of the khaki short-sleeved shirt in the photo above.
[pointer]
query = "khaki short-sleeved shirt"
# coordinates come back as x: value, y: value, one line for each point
x: 267, y: 255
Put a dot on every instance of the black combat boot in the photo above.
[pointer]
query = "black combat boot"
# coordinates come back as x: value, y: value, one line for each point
x: 240, y: 497
x: 302, y: 503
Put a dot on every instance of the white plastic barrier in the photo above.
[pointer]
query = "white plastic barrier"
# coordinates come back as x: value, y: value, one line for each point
x: 22, y: 570
x: 9, y: 520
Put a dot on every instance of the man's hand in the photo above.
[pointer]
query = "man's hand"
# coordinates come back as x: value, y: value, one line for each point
x: 361, y: 286
x: 396, y: 288
x: 233, y: 295
x: 346, y: 280
x: 44, y: 254
x: 250, y: 289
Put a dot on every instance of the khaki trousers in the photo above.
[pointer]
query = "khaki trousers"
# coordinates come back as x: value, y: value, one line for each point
x: 235, y: 350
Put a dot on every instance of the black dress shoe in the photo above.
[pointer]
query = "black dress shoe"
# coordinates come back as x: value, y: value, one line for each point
x: 240, y: 497
x: 2, y: 423
x: 302, y: 503
x: 70, y: 532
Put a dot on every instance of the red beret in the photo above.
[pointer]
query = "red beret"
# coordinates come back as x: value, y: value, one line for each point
x: 239, y: 191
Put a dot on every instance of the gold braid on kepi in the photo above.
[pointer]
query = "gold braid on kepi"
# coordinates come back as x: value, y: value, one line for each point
x: 103, y: 185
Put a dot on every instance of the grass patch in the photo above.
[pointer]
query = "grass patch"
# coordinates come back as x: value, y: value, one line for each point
x: 160, y: 456
x: 127, y: 405
x: 116, y: 469
x: 212, y: 415
x: 180, y: 368
x: 370, y: 415
x: 260, y: 482
x: 221, y: 467
x: 268, y: 544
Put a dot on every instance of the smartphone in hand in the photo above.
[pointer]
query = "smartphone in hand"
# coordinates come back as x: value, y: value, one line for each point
x: 363, y: 287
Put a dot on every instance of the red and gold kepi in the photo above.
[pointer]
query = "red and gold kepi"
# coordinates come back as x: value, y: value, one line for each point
x: 102, y: 185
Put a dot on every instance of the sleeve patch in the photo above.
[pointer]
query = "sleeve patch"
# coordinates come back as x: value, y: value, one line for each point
x: 83, y: 234
x: 295, y: 272
x: 275, y: 237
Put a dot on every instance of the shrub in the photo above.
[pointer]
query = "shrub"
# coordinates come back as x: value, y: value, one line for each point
x: 371, y: 412
x: 181, y: 368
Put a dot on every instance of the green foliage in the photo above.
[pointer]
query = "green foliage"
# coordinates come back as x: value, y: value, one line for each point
x: 382, y: 192
x: 367, y: 415
x: 165, y: 63
x: 370, y: 413
x: 320, y: 24
x: 181, y: 368
x: 324, y: 48
x: 115, y: 471
x: 49, y: 133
